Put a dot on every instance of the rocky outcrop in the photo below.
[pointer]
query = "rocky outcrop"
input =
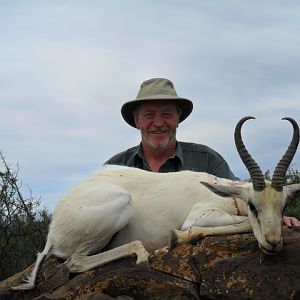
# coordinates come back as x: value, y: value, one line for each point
x: 227, y: 267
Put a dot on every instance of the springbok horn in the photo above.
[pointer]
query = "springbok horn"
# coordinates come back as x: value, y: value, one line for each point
x: 256, y: 174
x: 281, y: 169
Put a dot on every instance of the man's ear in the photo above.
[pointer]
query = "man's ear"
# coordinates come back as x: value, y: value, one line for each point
x: 227, y: 191
x: 136, y: 123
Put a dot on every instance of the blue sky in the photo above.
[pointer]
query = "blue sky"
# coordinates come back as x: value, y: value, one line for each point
x: 66, y: 67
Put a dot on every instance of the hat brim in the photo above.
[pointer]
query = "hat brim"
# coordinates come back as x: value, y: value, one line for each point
x: 127, y: 109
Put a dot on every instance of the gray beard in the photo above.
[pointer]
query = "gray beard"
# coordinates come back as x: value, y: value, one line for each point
x: 171, y: 137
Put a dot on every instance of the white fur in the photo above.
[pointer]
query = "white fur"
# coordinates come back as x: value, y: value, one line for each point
x: 119, y: 210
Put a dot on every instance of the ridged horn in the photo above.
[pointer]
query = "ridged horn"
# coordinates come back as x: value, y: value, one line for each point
x: 256, y: 174
x: 281, y: 169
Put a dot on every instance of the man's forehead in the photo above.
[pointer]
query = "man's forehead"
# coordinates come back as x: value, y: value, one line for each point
x: 158, y: 105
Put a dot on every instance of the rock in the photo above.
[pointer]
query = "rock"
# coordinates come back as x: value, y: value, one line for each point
x: 224, y: 267
x: 256, y: 276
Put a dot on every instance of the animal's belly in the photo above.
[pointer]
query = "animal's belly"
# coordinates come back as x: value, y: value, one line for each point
x: 153, y: 236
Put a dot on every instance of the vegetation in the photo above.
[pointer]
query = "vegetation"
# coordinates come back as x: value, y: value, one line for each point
x: 293, y: 209
x: 292, y: 176
x: 23, y: 226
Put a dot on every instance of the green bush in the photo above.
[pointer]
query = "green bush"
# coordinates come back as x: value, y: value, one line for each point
x: 293, y: 204
x: 293, y: 208
x: 23, y: 227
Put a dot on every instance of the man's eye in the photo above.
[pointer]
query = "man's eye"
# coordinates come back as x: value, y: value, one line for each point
x: 148, y: 115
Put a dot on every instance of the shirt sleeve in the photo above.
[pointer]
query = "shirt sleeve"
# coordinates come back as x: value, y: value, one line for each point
x: 220, y: 168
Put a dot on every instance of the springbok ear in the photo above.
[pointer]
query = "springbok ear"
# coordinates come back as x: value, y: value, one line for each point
x: 292, y: 190
x: 227, y: 191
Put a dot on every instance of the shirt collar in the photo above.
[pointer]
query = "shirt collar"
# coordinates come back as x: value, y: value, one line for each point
x: 139, y: 152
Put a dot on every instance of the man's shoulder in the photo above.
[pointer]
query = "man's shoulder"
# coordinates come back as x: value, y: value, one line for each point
x: 123, y: 156
x: 194, y: 147
x: 202, y: 158
x: 199, y: 150
x: 129, y: 151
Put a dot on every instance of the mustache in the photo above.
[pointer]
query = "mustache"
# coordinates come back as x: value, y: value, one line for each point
x: 158, y: 130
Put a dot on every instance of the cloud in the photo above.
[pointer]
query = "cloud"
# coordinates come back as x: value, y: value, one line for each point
x: 66, y: 67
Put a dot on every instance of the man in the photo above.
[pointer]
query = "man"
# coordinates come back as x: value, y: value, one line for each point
x: 157, y: 112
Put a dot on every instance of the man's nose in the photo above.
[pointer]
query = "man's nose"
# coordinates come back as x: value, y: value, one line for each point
x: 158, y: 121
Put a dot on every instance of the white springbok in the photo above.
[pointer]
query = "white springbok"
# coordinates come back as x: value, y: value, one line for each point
x: 120, y: 211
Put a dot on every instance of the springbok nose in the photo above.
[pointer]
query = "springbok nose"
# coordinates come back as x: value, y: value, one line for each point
x: 273, y: 240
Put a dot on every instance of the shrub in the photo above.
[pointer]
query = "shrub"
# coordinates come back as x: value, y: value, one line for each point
x: 23, y: 226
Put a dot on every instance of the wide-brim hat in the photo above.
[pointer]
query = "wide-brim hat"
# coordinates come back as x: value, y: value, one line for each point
x: 156, y: 89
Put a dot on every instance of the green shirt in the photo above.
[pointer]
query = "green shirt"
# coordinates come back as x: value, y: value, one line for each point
x: 188, y: 156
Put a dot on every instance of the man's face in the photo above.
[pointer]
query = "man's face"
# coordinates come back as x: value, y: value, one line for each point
x: 157, y: 121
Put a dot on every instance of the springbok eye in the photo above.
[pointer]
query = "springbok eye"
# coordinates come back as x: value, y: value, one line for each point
x: 253, y: 209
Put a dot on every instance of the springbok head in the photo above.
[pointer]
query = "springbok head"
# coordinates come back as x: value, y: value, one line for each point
x: 266, y: 200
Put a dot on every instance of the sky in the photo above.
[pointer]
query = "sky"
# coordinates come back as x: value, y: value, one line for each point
x: 66, y: 67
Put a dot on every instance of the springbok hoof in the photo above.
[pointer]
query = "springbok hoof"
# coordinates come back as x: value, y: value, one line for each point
x: 144, y: 264
x: 142, y: 259
x: 173, y: 242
